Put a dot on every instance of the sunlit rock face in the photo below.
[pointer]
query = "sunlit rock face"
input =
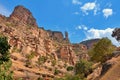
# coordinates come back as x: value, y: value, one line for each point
x: 22, y: 15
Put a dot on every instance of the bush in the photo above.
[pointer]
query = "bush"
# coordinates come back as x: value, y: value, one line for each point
x: 53, y: 62
x: 41, y: 60
x: 56, y: 72
x: 40, y: 78
x: 15, y: 50
x: 102, y: 50
x: 31, y: 55
x: 29, y: 58
x: 4, y: 49
x: 70, y: 77
x: 5, y: 62
x: 83, y: 68
x: 70, y: 68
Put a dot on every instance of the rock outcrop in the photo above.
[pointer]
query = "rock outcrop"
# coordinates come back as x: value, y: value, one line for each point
x: 67, y: 54
x: 111, y: 69
x: 22, y: 15
x: 95, y: 74
x: 66, y: 36
x: 2, y: 18
x: 56, y: 35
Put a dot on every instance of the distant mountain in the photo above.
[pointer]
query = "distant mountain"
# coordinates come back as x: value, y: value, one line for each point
x: 90, y: 43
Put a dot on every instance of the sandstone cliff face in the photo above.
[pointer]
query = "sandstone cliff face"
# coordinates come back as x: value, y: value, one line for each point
x: 67, y: 54
x: 26, y: 40
x: 56, y: 35
x: 22, y: 15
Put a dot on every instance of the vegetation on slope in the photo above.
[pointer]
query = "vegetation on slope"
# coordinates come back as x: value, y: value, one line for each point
x: 5, y: 62
x: 102, y: 50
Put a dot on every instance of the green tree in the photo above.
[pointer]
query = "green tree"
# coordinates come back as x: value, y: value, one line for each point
x: 5, y: 62
x: 4, y: 50
x: 102, y: 50
x: 83, y: 68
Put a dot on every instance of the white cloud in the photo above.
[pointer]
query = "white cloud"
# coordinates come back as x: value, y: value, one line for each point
x: 76, y: 2
x: 107, y: 12
x: 96, y: 33
x: 90, y: 6
x: 87, y: 7
x: 83, y: 27
x: 4, y: 11
x: 97, y: 8
x: 78, y: 27
x: 76, y: 13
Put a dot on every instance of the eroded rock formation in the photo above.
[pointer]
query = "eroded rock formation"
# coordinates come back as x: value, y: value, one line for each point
x: 22, y: 15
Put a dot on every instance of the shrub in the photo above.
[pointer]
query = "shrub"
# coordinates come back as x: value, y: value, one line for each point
x: 83, y: 68
x: 70, y: 68
x: 70, y: 77
x: 40, y: 78
x: 53, y: 62
x: 15, y: 50
x: 102, y: 50
x: 5, y: 62
x: 30, y: 56
x: 41, y: 60
x: 56, y: 72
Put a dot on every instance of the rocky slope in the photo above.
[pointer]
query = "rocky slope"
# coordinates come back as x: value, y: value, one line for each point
x: 108, y: 70
x: 29, y: 43
x: 36, y: 52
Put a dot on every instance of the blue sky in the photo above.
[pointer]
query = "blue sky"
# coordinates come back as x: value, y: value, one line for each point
x: 83, y: 19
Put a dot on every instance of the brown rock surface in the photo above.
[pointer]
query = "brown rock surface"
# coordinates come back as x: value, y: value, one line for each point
x: 67, y: 54
x: 22, y: 15
x: 2, y: 18
x: 113, y: 72
x: 56, y: 35
x: 89, y: 43
x: 29, y: 43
